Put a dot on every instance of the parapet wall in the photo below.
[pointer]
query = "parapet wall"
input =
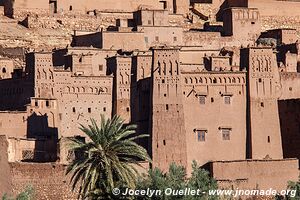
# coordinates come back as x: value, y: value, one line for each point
x: 255, y: 174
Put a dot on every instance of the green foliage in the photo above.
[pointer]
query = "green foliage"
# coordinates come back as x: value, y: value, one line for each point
x: 108, y: 158
x: 296, y: 187
x: 176, y: 179
x: 27, y: 194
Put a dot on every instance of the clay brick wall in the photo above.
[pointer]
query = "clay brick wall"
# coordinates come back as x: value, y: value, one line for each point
x: 251, y: 174
x: 48, y: 180
x: 5, y: 183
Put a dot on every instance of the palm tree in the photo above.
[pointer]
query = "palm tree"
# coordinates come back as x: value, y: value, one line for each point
x: 107, y: 160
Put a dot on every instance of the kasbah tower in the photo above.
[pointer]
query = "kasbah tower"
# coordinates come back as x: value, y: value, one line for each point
x: 200, y: 77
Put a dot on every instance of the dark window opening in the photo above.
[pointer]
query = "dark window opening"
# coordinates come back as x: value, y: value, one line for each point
x: 252, y: 22
x: 212, y: 100
x: 226, y: 134
x: 202, y: 99
x: 127, y: 109
x: 259, y: 80
x: 201, y: 135
x: 74, y: 109
x: 269, y: 139
x: 47, y: 103
x: 89, y: 110
x: 36, y: 103
x: 164, y: 141
x: 167, y: 107
x: 71, y: 8
x: 104, y: 109
x: 3, y: 70
x: 227, y: 100
x: 262, y: 104
x: 163, y: 81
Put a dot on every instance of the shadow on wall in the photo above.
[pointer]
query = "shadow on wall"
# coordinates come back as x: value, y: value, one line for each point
x: 289, y: 114
x: 46, y: 139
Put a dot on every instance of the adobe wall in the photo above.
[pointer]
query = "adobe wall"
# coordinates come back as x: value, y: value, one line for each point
x: 5, y: 178
x: 214, y: 115
x: 252, y: 174
x: 290, y: 82
x: 275, y: 8
x: 167, y: 122
x: 13, y: 123
x: 49, y: 180
x: 107, y: 5
x: 123, y: 40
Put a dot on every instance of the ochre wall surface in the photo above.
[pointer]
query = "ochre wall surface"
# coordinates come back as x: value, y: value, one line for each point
x: 48, y: 180
x: 5, y: 183
x: 252, y: 174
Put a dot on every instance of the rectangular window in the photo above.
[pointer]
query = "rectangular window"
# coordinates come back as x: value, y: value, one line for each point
x: 47, y: 103
x: 89, y: 110
x: 74, y: 110
x: 149, y: 22
x: 202, y: 100
x: 201, y: 135
x: 175, y: 39
x: 100, y: 67
x: 104, y: 109
x: 36, y: 103
x: 156, y: 38
x: 227, y: 100
x: 226, y: 134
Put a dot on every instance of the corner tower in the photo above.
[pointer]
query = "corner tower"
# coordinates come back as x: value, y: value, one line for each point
x: 167, y: 120
x: 264, y: 138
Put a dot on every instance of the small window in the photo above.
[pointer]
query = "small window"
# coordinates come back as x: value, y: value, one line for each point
x: 201, y: 135
x: 164, y: 141
x: 259, y: 80
x: 156, y: 38
x: 100, y: 67
x: 212, y: 99
x: 74, y: 109
x: 89, y: 110
x: 104, y: 109
x: 226, y: 134
x: 71, y: 8
x: 47, y: 103
x: 127, y: 109
x: 269, y: 139
x: 227, y: 100
x: 149, y: 22
x: 3, y: 70
x: 252, y: 22
x: 36, y: 103
x: 175, y: 39
x: 202, y: 100
x: 262, y: 104
x: 167, y: 106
